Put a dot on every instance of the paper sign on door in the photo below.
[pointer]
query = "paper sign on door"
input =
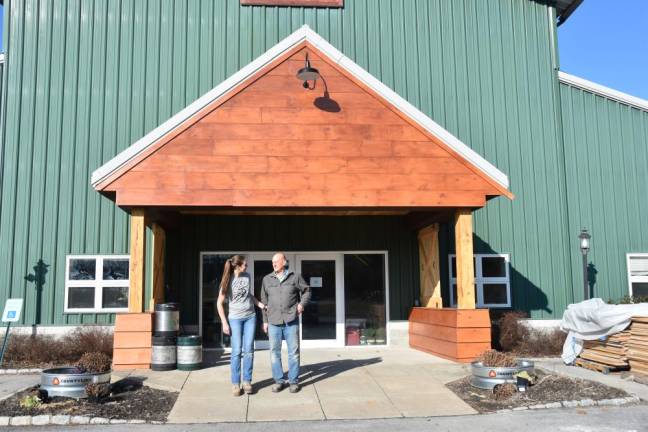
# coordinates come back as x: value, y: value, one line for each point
x: 315, y: 282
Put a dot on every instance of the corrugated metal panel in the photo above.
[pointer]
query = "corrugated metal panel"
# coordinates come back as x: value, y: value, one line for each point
x: 606, y: 151
x: 87, y: 78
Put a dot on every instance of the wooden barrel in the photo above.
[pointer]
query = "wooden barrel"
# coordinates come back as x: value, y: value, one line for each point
x: 189, y: 352
x: 163, y: 353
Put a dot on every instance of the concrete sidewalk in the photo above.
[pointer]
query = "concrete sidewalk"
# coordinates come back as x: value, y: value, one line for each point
x: 336, y: 384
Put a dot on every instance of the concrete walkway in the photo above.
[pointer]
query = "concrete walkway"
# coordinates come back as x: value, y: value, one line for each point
x: 10, y: 384
x: 336, y: 384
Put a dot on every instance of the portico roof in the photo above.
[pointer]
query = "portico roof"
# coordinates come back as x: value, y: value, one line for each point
x: 260, y: 139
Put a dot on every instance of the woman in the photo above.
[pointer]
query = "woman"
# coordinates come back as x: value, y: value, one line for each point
x: 236, y: 286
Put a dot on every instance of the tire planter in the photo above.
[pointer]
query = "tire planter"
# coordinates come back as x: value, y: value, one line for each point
x: 69, y: 382
x: 189, y: 352
x: 487, y: 378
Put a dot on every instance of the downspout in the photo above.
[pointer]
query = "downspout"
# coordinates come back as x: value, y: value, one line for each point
x: 562, y: 165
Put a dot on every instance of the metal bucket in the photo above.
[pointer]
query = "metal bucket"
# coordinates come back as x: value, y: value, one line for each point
x: 485, y: 377
x: 167, y: 319
x: 189, y: 352
x: 69, y: 381
x: 163, y: 353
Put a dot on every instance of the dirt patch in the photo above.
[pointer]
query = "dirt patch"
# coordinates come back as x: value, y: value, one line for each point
x: 129, y: 400
x: 549, y: 388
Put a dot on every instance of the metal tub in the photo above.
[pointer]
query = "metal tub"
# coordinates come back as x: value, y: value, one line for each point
x: 69, y: 382
x: 485, y: 377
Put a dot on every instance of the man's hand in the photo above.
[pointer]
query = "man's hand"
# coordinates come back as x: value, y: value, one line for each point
x: 265, y: 328
x: 300, y: 309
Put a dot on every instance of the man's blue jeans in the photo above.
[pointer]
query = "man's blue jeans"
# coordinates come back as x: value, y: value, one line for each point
x: 289, y: 332
x: 242, y: 342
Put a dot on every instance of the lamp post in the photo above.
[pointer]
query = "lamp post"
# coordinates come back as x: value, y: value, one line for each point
x: 585, y: 237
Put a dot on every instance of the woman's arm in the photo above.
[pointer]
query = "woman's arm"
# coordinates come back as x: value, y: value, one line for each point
x: 221, y: 312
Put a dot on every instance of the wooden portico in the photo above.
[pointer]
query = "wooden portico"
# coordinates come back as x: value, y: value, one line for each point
x: 261, y: 143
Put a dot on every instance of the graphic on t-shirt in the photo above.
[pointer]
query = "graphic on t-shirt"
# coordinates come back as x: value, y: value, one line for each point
x: 240, y: 289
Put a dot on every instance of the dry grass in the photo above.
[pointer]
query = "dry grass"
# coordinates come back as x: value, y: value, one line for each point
x: 45, y: 350
x: 94, y: 362
x: 493, y: 358
x: 517, y: 338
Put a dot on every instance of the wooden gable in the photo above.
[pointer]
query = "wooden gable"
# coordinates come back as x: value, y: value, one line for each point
x: 269, y: 142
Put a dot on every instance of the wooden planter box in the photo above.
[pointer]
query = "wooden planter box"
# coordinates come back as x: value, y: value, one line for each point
x: 455, y: 334
x: 132, y: 341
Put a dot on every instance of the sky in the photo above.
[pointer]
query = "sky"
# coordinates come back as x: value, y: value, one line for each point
x: 603, y: 41
x: 607, y: 42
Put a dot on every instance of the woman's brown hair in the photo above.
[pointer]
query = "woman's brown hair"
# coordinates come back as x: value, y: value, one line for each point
x: 230, y: 265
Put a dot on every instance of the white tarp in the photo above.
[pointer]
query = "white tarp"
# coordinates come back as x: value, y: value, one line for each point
x: 594, y: 319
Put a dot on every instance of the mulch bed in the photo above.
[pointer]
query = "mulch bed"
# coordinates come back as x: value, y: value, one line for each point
x: 129, y: 400
x: 548, y: 388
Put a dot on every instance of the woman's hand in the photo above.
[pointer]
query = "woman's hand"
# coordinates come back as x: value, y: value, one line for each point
x: 226, y: 328
x: 261, y: 306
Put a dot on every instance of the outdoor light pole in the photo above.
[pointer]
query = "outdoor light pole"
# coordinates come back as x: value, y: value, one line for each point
x: 584, y: 247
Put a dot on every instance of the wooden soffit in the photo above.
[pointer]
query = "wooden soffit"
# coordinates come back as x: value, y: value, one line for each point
x: 267, y: 141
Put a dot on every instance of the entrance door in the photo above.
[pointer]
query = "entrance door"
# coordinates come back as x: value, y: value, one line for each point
x: 322, y: 322
x: 259, y: 265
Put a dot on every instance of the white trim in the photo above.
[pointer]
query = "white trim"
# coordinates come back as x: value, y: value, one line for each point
x: 97, y: 283
x: 480, y: 281
x: 304, y: 33
x: 2, y: 58
x: 634, y: 279
x: 340, y: 341
x: 603, y: 91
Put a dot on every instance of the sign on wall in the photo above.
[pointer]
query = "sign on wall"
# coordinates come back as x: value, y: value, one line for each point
x: 12, y: 310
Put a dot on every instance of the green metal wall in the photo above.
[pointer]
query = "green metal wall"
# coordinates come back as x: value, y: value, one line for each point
x: 87, y: 78
x: 291, y: 233
x: 606, y: 153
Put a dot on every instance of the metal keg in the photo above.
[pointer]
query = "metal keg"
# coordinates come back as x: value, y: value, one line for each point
x: 163, y: 353
x: 167, y: 319
x: 189, y: 352
x: 69, y: 381
x: 487, y: 378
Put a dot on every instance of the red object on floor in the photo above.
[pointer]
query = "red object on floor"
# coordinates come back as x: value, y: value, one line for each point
x: 353, y: 336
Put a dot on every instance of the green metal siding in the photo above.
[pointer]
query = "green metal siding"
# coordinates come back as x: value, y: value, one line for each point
x: 87, y: 78
x: 606, y: 152
x: 291, y: 233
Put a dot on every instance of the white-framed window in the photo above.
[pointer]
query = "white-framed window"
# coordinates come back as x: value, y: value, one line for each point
x: 492, y: 280
x: 96, y: 283
x: 637, y: 274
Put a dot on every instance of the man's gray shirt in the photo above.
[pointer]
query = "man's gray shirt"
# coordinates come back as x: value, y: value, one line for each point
x: 282, y: 296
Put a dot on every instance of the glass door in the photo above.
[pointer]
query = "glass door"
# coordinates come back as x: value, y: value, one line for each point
x: 259, y: 265
x: 322, y: 323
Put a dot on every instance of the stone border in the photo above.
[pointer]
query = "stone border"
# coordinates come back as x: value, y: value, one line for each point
x: 62, y: 420
x: 20, y: 371
x: 575, y: 404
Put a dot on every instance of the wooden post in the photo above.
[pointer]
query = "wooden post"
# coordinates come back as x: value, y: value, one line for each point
x: 465, y: 264
x: 137, y: 260
x: 429, y: 271
x: 159, y: 244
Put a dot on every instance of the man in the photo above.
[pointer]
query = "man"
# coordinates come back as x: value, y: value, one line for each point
x: 285, y: 294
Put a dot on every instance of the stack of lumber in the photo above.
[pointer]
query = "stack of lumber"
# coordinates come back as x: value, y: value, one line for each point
x: 608, y: 354
x: 638, y: 345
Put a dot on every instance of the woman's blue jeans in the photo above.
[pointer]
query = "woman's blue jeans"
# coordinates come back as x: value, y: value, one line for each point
x: 242, y: 342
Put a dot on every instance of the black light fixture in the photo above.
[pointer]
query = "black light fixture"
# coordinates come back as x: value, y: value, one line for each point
x: 308, y: 73
x: 584, y: 238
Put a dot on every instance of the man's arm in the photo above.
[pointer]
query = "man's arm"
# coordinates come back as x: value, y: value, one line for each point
x: 304, y: 291
x: 264, y: 300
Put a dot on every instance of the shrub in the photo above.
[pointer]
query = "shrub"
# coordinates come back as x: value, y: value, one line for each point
x: 493, y: 358
x: 94, y: 362
x: 504, y: 391
x: 30, y: 401
x: 44, y: 350
x: 96, y: 392
x: 516, y: 337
